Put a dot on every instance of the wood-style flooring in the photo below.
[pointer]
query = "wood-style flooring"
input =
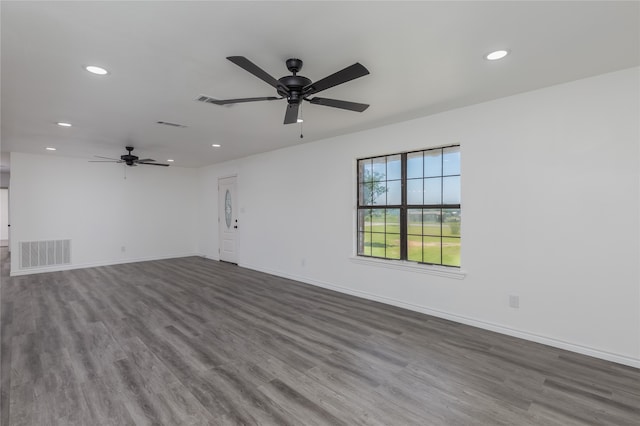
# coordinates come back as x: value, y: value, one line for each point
x: 196, y: 342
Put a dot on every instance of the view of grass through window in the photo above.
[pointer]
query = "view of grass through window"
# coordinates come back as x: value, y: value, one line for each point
x: 409, y: 206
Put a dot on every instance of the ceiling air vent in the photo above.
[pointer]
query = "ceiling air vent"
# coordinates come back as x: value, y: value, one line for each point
x: 166, y: 123
x: 206, y: 99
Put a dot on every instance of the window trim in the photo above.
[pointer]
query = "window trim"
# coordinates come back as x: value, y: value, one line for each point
x: 403, y: 263
x: 409, y: 266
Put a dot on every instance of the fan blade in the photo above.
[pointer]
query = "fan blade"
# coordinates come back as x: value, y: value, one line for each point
x: 349, y: 73
x: 351, y: 106
x: 154, y: 164
x: 249, y: 66
x: 105, y: 161
x: 144, y: 160
x: 106, y: 158
x: 291, y: 115
x: 237, y: 101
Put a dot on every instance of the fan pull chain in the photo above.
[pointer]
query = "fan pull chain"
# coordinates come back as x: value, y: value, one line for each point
x: 301, y: 136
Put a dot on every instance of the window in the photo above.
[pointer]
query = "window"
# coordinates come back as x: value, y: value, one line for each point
x: 409, y: 206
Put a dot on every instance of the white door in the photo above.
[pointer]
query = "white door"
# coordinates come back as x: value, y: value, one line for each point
x: 228, y: 219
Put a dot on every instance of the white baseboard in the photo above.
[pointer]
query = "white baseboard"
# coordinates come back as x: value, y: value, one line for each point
x: 216, y: 258
x: 596, y: 353
x: 57, y: 268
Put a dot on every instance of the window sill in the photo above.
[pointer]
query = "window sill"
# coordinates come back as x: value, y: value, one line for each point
x: 442, y: 271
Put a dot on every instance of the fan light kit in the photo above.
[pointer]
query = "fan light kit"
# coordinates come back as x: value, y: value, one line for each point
x: 62, y: 124
x: 129, y: 159
x: 498, y: 54
x: 170, y: 160
x: 296, y: 88
x: 96, y: 70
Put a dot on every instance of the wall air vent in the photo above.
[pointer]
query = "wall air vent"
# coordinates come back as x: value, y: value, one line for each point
x: 40, y: 254
x: 166, y: 123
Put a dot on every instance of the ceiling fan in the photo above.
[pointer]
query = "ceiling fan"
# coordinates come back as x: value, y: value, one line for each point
x: 129, y: 160
x: 296, y: 88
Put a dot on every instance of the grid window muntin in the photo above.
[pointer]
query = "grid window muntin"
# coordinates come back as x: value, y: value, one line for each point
x: 426, y: 211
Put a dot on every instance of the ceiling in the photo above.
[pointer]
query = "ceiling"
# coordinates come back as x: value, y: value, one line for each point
x: 424, y: 58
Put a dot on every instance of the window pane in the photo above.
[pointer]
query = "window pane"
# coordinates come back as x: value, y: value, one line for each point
x: 414, y: 191
x: 451, y: 161
x: 432, y: 191
x: 451, y: 222
x: 431, y: 222
x: 367, y: 220
x: 378, y: 244
x: 393, y: 246
x: 451, y: 190
x: 433, y: 163
x: 379, y: 168
x: 414, y: 248
x: 393, y: 221
x: 366, y: 194
x: 394, y: 192
x: 364, y: 243
x: 361, y: 198
x: 431, y: 250
x: 394, y: 167
x: 414, y: 222
x: 379, y: 192
x: 414, y: 165
x: 367, y: 171
x: 451, y: 251
x: 374, y: 193
x: 377, y: 221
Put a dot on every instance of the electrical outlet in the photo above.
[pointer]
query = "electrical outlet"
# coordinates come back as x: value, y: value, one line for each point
x: 514, y: 301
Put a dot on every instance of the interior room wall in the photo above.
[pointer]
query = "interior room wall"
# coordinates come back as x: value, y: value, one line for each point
x: 149, y: 215
x: 550, y: 199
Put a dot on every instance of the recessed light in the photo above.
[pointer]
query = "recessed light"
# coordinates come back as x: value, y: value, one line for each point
x: 498, y: 54
x: 62, y: 124
x: 50, y: 148
x: 215, y: 145
x: 170, y: 160
x: 96, y: 70
x: 300, y: 120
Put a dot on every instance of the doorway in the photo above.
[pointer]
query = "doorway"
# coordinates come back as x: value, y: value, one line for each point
x: 228, y: 219
x: 4, y: 217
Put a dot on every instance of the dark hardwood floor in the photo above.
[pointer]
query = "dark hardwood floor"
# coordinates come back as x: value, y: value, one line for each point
x: 192, y: 341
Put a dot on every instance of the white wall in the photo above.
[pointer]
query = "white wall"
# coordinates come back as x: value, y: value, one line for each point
x: 550, y: 187
x: 152, y: 213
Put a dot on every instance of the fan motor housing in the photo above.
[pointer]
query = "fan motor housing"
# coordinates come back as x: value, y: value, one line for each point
x: 294, y: 65
x: 295, y: 84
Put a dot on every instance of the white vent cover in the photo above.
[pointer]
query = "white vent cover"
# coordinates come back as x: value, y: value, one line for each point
x: 39, y: 254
